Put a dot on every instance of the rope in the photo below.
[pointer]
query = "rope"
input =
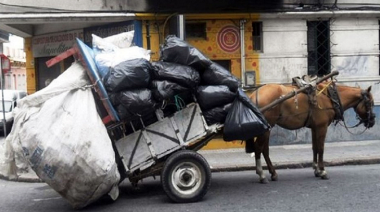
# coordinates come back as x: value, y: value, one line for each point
x: 321, y: 92
x: 179, y: 103
x: 324, y: 88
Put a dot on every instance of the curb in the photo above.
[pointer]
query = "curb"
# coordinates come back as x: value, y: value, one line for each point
x: 22, y: 179
x: 298, y: 165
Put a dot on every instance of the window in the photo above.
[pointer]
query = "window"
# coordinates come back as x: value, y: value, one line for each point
x: 318, y: 47
x: 224, y: 63
x: 196, y: 30
x: 257, y: 36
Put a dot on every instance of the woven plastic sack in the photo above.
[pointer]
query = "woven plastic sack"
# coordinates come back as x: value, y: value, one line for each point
x: 64, y: 140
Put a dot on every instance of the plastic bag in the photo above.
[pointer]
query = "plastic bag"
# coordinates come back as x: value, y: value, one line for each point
x: 133, y: 102
x: 181, y: 74
x: 107, y: 60
x: 213, y: 96
x: 217, y: 114
x: 64, y: 140
x: 121, y: 40
x: 130, y: 74
x: 244, y: 121
x: 217, y: 75
x: 178, y: 51
x: 115, y: 49
x: 165, y: 89
x: 101, y: 45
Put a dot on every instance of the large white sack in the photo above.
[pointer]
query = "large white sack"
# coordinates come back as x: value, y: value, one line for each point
x: 64, y: 140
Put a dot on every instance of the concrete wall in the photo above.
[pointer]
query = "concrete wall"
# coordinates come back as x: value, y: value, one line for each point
x: 354, y: 53
x: 284, y: 52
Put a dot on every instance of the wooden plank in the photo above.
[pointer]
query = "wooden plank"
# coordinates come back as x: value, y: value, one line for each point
x: 293, y: 93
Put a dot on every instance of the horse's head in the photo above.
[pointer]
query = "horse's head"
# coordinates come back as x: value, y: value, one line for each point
x: 364, y: 108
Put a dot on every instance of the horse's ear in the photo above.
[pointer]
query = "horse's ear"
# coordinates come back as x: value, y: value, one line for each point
x: 369, y: 89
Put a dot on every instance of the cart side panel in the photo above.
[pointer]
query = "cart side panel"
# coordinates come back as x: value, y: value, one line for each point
x: 163, y: 136
x: 133, y: 150
x: 190, y: 123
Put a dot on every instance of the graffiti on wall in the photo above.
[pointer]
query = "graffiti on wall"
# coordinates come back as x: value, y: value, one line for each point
x: 356, y: 65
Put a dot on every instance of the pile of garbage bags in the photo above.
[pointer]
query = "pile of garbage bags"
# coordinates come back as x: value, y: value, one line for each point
x: 137, y: 86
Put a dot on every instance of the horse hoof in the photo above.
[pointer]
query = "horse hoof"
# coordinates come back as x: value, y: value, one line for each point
x: 317, y: 174
x: 274, y: 177
x: 325, y: 177
x: 264, y: 181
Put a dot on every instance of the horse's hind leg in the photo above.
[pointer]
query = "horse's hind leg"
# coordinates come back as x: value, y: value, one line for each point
x: 260, y: 141
x: 270, y: 166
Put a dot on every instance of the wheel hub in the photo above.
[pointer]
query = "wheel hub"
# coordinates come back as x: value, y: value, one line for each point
x: 186, y: 178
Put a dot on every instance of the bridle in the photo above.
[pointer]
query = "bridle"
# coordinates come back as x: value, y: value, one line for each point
x: 368, y: 105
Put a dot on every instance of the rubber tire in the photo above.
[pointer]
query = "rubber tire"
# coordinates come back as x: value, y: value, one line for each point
x: 185, y: 156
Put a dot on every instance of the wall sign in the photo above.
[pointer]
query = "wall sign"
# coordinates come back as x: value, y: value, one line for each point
x: 228, y: 38
x: 108, y: 30
x: 54, y: 44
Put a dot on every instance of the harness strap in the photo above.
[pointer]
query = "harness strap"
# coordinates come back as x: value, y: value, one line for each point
x: 335, y: 100
x: 310, y: 94
x: 309, y: 113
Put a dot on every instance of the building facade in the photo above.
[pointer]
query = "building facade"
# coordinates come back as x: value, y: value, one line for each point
x: 259, y: 42
x: 15, y: 78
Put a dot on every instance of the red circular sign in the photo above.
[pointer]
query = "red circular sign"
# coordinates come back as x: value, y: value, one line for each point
x: 228, y: 38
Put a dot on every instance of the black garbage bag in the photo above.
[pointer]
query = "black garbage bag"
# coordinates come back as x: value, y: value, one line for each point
x: 164, y: 89
x: 178, y: 51
x: 244, y: 121
x: 211, y: 96
x: 217, y: 75
x: 130, y: 74
x: 133, y: 102
x: 217, y: 114
x: 181, y: 74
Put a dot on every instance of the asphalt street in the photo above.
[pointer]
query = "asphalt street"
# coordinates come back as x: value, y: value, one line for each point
x: 350, y: 188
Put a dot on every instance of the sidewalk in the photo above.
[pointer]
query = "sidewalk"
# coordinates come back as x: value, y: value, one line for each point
x: 296, y: 156
x: 283, y: 157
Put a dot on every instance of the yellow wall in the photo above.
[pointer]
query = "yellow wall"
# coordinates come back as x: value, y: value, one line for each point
x: 30, y: 70
x: 210, y: 47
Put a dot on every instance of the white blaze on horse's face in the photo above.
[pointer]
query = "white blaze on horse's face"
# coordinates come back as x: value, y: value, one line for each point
x: 364, y: 109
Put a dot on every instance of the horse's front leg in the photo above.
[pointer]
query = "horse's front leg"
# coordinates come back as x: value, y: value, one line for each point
x: 259, y: 168
x: 319, y: 136
x: 315, y: 155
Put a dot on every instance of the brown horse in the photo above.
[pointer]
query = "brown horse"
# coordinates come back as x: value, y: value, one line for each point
x: 315, y: 112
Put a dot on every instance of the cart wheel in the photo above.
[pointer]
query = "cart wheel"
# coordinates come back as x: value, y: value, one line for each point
x: 186, y: 176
